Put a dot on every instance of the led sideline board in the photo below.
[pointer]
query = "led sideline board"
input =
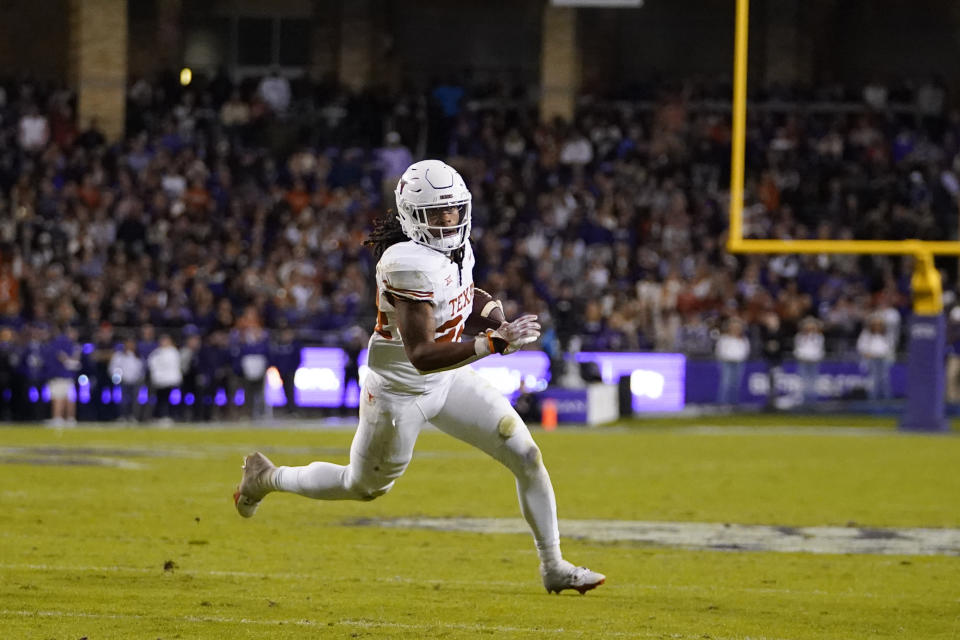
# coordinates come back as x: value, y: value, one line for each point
x: 507, y: 373
x: 657, y: 380
x: 319, y: 380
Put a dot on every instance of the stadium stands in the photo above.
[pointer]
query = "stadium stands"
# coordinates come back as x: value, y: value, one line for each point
x: 231, y: 217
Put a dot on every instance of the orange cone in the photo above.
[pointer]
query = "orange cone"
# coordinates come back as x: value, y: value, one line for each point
x: 548, y: 414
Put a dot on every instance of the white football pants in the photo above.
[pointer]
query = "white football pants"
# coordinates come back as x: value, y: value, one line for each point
x: 466, y: 407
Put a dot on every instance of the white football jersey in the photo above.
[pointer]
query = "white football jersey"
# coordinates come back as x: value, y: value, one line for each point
x: 414, y: 272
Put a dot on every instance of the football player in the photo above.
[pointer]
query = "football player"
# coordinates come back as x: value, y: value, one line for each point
x: 417, y: 373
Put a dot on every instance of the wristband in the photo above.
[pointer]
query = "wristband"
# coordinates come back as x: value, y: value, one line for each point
x: 489, y: 307
x: 482, y: 345
x: 488, y: 343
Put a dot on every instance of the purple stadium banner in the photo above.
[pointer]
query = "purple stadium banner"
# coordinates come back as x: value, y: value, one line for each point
x: 836, y: 380
x: 657, y: 380
x: 571, y: 404
x: 926, y: 379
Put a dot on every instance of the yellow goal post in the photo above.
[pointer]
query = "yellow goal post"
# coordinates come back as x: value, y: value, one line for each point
x: 927, y: 288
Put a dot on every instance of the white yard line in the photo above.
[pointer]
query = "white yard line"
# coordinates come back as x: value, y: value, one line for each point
x: 367, y: 624
x: 105, y: 454
x: 716, y: 536
x: 517, y: 584
x: 782, y: 430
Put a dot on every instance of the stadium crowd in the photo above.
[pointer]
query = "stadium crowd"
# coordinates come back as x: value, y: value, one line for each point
x: 227, y: 225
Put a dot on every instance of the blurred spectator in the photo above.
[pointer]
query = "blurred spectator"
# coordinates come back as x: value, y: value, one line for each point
x: 190, y: 365
x: 127, y: 370
x: 9, y: 290
x: 33, y: 371
x: 252, y: 368
x: 876, y: 355
x: 165, y: 374
x: 298, y: 198
x: 527, y: 404
x: 953, y: 355
x: 733, y: 349
x: 576, y: 152
x: 92, y: 137
x: 446, y: 103
x: 275, y: 91
x: 875, y: 95
x: 101, y: 382
x: 147, y: 342
x: 808, y: 349
x: 891, y: 319
x: 694, y: 339
x: 394, y: 158
x: 218, y: 367
x: 63, y: 130
x: 62, y: 363
x: 9, y: 361
x: 931, y: 98
x: 772, y: 346
x: 285, y: 356
x: 146, y: 345
x: 354, y: 341
x: 235, y: 113
x: 33, y: 130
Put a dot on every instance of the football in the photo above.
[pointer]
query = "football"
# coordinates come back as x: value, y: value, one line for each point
x: 476, y: 321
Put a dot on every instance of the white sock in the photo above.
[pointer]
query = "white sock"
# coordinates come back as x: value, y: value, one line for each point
x: 318, y: 480
x: 539, y: 508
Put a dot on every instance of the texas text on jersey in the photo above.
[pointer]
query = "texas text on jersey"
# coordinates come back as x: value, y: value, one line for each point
x: 414, y: 272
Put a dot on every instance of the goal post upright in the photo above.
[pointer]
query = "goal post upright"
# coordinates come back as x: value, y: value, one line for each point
x: 924, y: 408
x: 738, y: 138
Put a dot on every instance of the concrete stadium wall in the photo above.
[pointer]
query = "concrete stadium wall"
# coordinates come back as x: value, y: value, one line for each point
x: 35, y: 38
x: 834, y: 40
x: 679, y: 38
x: 486, y: 37
x: 894, y: 38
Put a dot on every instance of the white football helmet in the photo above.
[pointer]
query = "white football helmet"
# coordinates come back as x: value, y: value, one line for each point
x: 430, y: 185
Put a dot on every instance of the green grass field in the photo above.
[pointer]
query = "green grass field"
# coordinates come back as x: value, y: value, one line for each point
x: 123, y: 533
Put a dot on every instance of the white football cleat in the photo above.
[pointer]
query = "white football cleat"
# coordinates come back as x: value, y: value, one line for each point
x: 255, y: 483
x: 568, y: 576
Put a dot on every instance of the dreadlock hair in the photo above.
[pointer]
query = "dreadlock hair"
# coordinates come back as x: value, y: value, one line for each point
x: 387, y: 232
x: 456, y: 256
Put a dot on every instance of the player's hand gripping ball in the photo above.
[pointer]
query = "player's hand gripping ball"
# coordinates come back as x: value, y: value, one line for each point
x: 487, y: 313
